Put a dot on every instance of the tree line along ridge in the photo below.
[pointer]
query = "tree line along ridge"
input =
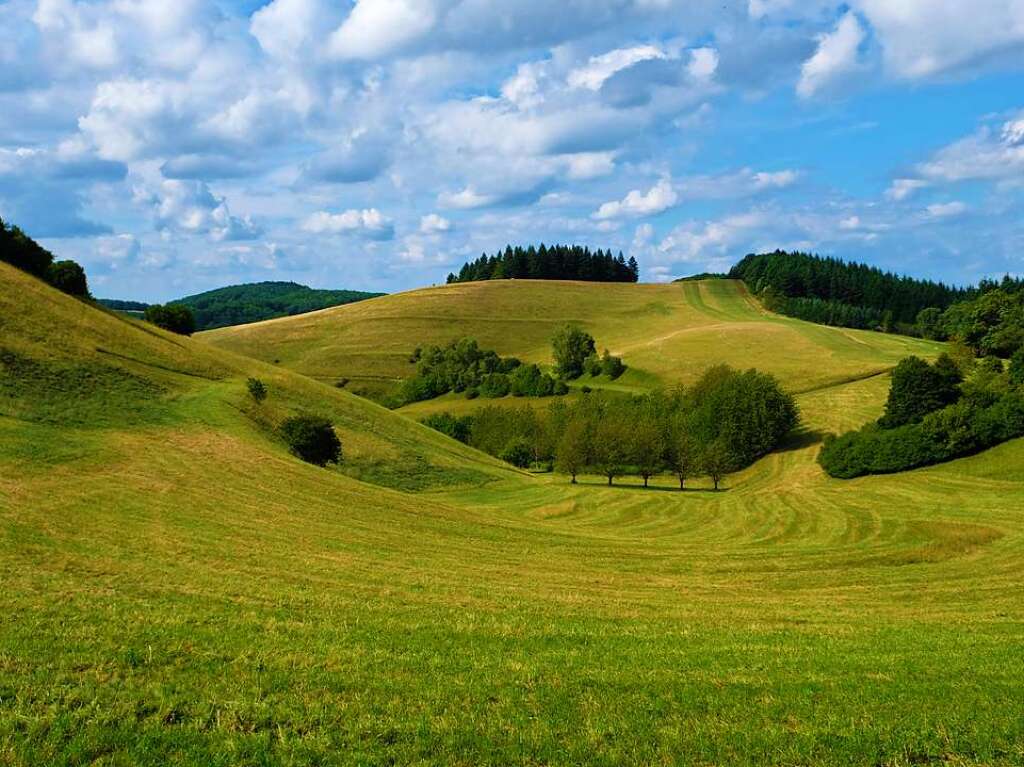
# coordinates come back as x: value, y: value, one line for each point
x: 555, y: 262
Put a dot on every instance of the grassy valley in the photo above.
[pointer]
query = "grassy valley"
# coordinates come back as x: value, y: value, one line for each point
x: 179, y: 589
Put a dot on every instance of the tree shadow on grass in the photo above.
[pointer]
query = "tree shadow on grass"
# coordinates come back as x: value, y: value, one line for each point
x: 652, y: 489
x: 801, y: 439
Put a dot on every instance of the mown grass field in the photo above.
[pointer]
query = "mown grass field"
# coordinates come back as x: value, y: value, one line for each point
x: 176, y: 589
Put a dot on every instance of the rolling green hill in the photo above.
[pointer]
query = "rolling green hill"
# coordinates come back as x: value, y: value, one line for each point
x: 178, y: 589
x: 665, y: 333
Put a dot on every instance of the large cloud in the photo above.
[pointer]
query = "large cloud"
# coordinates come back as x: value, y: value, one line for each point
x: 186, y: 125
x: 922, y: 38
x: 836, y: 57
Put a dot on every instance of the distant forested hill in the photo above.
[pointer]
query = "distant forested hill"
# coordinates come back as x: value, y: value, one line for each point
x: 240, y: 304
x: 558, y: 262
x: 834, y: 292
x: 123, y: 306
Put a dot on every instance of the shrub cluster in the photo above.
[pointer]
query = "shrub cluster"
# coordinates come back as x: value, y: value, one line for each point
x: 257, y: 389
x: 926, y: 423
x: 462, y: 366
x: 575, y: 353
x: 21, y: 251
x: 724, y: 422
x: 919, y: 389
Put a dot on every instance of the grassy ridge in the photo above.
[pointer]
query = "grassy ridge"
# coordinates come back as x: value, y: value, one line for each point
x: 666, y: 333
x: 180, y: 590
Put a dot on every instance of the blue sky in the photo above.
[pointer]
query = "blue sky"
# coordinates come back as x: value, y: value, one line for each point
x: 378, y: 144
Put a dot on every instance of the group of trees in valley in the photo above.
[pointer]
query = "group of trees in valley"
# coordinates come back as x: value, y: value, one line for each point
x: 575, y: 353
x: 463, y: 367
x: 22, y: 252
x: 935, y: 412
x: 834, y: 292
x: 724, y: 422
x: 557, y: 262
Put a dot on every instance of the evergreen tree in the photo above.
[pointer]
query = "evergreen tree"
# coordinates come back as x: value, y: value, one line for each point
x: 634, y: 269
x: 556, y: 262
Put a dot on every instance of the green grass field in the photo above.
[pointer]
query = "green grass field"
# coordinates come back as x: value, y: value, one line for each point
x: 177, y: 589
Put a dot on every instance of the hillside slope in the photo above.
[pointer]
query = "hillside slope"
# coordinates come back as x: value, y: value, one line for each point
x: 665, y: 333
x: 177, y: 589
x: 68, y: 365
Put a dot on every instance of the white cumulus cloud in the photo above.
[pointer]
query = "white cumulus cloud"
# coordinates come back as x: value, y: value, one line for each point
x: 946, y: 209
x: 657, y: 199
x: 376, y: 28
x: 435, y: 224
x: 593, y: 75
x: 369, y: 223
x: 836, y: 57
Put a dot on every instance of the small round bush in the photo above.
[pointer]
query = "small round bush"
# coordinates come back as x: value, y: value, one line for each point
x: 312, y: 439
x: 257, y: 389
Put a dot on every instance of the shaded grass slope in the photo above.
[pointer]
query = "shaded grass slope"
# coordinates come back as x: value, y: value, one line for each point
x: 76, y: 370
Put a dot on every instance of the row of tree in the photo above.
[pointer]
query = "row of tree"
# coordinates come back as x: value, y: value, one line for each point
x: 889, y: 297
x: 557, y: 262
x: 934, y: 413
x: 725, y: 422
x: 21, y: 251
